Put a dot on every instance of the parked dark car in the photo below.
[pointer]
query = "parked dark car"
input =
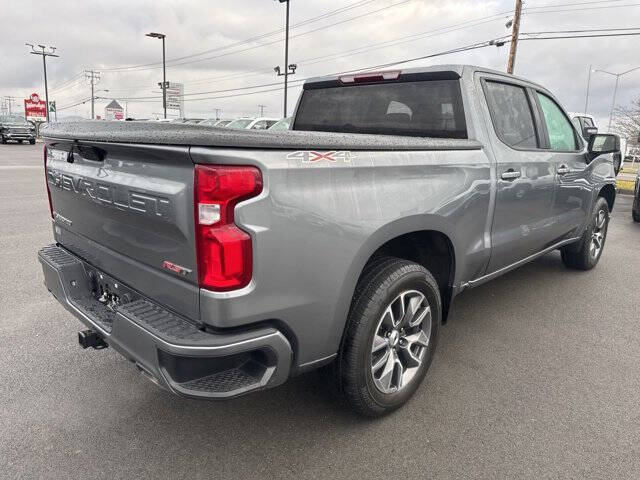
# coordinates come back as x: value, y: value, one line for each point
x: 635, y: 211
x: 14, y: 127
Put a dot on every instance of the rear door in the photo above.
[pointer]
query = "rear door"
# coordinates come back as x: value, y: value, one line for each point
x: 565, y: 145
x: 522, y: 223
x: 128, y: 210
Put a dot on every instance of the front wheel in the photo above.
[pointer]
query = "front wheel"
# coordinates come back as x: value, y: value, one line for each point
x: 584, y: 255
x: 32, y: 142
x: 391, y: 335
x: 635, y: 211
x: 3, y: 140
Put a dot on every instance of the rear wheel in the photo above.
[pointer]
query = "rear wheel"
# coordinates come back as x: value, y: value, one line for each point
x: 3, y: 140
x: 585, y: 254
x: 391, y: 335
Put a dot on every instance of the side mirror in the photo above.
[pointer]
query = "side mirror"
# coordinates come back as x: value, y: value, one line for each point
x: 588, y: 132
x: 603, y: 143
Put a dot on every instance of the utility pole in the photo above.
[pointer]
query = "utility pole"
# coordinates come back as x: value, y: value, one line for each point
x: 162, y: 36
x: 45, y: 52
x: 514, y: 37
x: 9, y: 101
x: 262, y: 107
x: 288, y: 69
x: 218, y: 111
x: 94, y: 78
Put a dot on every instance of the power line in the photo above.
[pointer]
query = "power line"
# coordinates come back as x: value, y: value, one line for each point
x: 571, y: 4
x: 583, y: 36
x: 62, y: 85
x: 262, y: 45
x: 529, y: 12
x: 362, y: 49
x: 257, y: 37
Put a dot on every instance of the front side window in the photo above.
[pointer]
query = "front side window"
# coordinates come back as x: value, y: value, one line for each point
x: 511, y: 115
x: 561, y: 134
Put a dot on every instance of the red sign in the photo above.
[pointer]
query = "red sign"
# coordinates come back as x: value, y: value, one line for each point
x: 35, y: 109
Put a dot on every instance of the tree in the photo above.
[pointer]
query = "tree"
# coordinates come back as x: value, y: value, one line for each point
x: 627, y: 122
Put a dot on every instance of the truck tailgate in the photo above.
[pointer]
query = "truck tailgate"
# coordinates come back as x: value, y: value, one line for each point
x: 128, y: 209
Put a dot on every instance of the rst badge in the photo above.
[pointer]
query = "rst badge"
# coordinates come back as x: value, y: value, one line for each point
x: 314, y: 156
x: 176, y: 268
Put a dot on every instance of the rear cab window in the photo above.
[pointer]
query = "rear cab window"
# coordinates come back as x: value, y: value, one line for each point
x: 419, y: 108
x: 511, y: 114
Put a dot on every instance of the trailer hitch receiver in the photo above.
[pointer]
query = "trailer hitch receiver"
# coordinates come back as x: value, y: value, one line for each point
x: 90, y: 338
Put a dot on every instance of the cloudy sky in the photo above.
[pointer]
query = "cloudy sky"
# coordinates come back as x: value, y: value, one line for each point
x: 229, y: 48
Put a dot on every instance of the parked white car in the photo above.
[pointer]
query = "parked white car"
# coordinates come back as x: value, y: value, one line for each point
x: 260, y: 123
x: 281, y: 125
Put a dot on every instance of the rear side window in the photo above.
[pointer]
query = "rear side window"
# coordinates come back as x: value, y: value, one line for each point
x: 430, y: 108
x: 511, y: 114
x: 561, y: 133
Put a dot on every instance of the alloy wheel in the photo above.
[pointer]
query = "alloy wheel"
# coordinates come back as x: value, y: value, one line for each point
x: 400, y: 342
x: 598, y: 235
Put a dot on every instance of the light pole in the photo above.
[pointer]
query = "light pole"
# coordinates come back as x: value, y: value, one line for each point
x: 288, y: 69
x: 164, y: 71
x: 586, y: 100
x: 45, y: 52
x: 615, y: 90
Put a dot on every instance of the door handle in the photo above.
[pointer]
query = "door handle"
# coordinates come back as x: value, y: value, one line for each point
x: 510, y: 174
x: 563, y: 170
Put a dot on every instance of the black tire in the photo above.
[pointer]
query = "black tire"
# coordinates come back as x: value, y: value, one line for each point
x: 32, y: 142
x: 385, y: 281
x: 635, y: 210
x: 583, y: 255
x: 3, y: 140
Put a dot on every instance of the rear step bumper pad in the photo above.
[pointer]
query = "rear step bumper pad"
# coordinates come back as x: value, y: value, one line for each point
x: 169, y: 349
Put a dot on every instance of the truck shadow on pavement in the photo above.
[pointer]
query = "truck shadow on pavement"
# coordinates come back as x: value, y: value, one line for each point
x: 309, y: 399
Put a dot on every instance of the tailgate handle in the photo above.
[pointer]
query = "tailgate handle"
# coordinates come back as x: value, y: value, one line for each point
x: 92, y: 153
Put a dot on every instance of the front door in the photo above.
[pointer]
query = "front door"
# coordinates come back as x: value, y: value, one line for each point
x: 573, y: 192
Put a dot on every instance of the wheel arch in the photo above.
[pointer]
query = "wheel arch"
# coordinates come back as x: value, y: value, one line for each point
x: 608, y: 192
x: 400, y: 239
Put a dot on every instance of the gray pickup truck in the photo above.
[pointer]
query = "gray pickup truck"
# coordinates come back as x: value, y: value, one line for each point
x: 221, y: 262
x: 16, y: 128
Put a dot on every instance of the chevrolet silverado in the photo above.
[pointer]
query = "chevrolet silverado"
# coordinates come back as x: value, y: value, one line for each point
x: 221, y: 261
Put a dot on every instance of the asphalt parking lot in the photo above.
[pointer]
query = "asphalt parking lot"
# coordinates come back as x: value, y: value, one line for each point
x: 537, y: 375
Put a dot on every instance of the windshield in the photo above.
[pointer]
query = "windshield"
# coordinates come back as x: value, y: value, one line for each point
x: 11, y: 119
x: 430, y: 108
x: 240, y: 123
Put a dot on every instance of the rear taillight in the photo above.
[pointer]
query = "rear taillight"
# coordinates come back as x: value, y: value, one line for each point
x: 46, y: 182
x: 223, y: 249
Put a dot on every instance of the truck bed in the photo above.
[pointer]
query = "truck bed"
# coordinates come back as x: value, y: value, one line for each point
x: 156, y: 133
